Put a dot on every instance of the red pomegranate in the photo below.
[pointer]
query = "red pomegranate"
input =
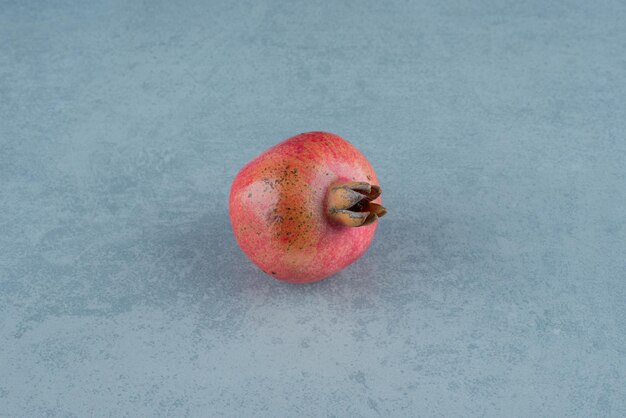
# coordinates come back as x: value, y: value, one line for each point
x: 305, y: 208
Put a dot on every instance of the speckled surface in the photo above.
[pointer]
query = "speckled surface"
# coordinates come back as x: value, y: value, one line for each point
x: 495, y: 286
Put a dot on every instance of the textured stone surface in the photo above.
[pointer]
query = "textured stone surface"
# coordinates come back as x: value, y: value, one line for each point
x: 496, y: 285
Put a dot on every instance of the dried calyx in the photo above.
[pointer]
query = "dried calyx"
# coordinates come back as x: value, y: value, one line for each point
x: 350, y: 204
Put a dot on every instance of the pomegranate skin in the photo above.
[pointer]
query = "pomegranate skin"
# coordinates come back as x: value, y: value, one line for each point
x: 279, y: 213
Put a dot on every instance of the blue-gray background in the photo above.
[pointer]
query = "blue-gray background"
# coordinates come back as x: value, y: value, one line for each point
x: 495, y: 286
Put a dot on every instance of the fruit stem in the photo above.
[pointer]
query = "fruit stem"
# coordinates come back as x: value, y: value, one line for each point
x: 350, y: 204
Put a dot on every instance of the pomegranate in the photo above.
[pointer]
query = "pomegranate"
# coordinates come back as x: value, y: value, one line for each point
x: 305, y: 208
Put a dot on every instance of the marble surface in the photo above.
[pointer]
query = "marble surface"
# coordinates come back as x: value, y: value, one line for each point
x: 496, y: 286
